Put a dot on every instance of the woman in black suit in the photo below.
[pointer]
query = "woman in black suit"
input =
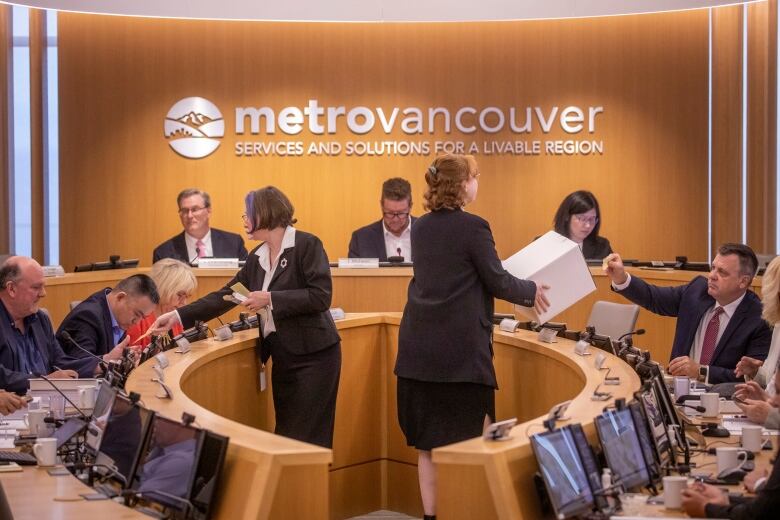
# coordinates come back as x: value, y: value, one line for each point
x: 579, y: 219
x: 289, y: 279
x: 446, y: 380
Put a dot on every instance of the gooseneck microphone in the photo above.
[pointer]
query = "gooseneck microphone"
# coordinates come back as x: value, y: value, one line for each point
x: 700, y: 409
x: 638, y: 332
x: 65, y: 334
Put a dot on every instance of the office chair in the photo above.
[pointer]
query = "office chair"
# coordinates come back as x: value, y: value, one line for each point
x: 613, y: 319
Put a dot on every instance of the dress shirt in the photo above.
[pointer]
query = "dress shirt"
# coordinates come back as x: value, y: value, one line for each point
x: 191, y: 241
x: 264, y: 255
x: 698, y: 339
x: 116, y: 330
x: 30, y: 360
x: 404, y: 242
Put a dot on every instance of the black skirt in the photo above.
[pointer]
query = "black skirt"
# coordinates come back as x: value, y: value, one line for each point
x: 437, y: 414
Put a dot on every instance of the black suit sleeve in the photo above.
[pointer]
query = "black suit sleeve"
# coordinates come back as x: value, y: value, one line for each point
x: 763, y: 507
x: 316, y: 295
x: 14, y: 381
x: 499, y: 282
x: 156, y: 256
x: 242, y: 252
x: 757, y: 347
x: 353, y: 246
x: 659, y: 300
x: 84, y: 328
x: 213, y: 304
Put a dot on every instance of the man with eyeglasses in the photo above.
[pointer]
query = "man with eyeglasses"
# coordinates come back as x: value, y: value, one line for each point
x: 28, y: 347
x: 392, y: 235
x: 99, y: 323
x: 718, y: 317
x: 199, y: 240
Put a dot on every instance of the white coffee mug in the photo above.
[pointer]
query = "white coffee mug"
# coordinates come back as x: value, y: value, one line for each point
x: 45, y: 451
x: 673, y: 487
x: 751, y: 437
x: 682, y: 386
x: 730, y: 458
x: 34, y: 420
x: 87, y: 395
x: 711, y: 403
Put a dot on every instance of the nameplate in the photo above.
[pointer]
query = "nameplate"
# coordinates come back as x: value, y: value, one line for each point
x: 183, y: 346
x: 547, y: 335
x: 582, y: 347
x: 358, y: 263
x: 53, y: 270
x: 218, y: 263
x: 509, y: 325
x: 337, y: 313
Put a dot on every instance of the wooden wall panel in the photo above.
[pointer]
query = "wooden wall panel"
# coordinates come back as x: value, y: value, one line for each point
x: 762, y: 114
x: 726, y: 125
x: 119, y: 76
x: 37, y: 48
x: 5, y: 50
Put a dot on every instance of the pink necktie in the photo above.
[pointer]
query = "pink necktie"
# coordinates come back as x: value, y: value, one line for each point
x: 710, y: 337
x: 201, y: 247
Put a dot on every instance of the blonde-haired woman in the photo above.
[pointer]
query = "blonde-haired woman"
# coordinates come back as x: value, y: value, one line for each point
x: 446, y: 380
x: 760, y: 374
x: 175, y: 283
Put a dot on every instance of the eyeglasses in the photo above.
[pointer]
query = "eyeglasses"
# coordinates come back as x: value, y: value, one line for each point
x: 389, y: 214
x: 186, y: 211
x: 582, y: 219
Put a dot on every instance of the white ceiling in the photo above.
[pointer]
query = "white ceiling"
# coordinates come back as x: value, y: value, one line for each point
x: 372, y: 10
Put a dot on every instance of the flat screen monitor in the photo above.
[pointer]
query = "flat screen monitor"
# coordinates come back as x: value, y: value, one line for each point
x: 125, y: 431
x: 666, y: 405
x: 563, y: 473
x: 603, y: 342
x: 103, y: 403
x: 657, y: 427
x: 622, y: 450
x: 589, y: 463
x: 206, y: 482
x: 167, y: 464
x: 646, y: 442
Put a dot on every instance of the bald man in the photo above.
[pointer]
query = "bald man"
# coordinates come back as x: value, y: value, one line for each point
x: 27, y: 344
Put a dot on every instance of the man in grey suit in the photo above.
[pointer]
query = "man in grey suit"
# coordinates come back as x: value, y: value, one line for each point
x: 199, y: 239
x: 392, y: 235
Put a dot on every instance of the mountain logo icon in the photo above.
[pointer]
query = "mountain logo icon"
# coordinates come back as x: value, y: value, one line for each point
x: 193, y: 127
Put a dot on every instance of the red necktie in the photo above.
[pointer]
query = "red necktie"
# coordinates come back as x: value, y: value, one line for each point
x: 710, y: 337
x: 200, y: 247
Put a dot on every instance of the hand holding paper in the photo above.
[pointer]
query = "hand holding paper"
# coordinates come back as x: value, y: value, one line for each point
x: 541, y: 303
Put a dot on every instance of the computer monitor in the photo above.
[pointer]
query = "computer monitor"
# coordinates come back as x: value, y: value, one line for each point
x: 622, y: 450
x: 602, y: 342
x: 656, y: 426
x: 125, y: 432
x: 207, y: 475
x: 668, y: 410
x: 167, y: 464
x: 103, y: 403
x: 563, y: 473
x: 589, y: 463
x: 646, y: 442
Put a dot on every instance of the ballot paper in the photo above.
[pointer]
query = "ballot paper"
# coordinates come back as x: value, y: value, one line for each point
x: 554, y: 260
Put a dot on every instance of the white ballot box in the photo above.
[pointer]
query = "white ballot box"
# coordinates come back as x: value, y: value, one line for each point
x: 554, y: 260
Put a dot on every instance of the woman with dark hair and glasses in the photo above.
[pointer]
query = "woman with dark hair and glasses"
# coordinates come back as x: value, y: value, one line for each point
x: 291, y: 288
x: 579, y: 219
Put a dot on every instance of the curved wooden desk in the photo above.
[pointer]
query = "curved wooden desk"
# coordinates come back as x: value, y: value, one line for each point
x: 372, y: 468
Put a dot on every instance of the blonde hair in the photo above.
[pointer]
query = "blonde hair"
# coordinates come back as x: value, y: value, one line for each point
x: 171, y: 277
x: 770, y: 292
x: 445, y: 179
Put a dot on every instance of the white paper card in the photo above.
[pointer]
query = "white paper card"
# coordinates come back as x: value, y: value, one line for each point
x: 553, y: 260
x: 358, y: 263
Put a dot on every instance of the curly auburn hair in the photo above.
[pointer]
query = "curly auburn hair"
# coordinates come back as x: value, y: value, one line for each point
x: 445, y: 178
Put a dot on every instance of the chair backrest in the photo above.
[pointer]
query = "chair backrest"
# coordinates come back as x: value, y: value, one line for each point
x: 613, y: 319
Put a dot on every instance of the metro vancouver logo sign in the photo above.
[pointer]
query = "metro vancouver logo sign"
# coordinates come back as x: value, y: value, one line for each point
x: 194, y: 126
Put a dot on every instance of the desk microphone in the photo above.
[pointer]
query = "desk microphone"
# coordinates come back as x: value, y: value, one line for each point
x: 86, y: 418
x: 638, y: 332
x: 197, y: 255
x: 694, y: 407
x: 65, y: 334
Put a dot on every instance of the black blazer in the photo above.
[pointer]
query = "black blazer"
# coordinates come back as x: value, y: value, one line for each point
x: 224, y: 244
x: 763, y: 507
x: 596, y: 248
x: 301, y: 293
x: 89, y: 323
x: 12, y: 379
x: 747, y: 334
x: 446, y: 330
x: 369, y: 242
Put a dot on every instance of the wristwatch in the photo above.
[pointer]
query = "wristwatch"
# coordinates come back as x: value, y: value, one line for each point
x: 704, y: 371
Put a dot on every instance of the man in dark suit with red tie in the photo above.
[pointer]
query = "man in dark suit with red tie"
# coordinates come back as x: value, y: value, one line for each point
x: 199, y: 239
x: 392, y: 235
x: 718, y: 317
